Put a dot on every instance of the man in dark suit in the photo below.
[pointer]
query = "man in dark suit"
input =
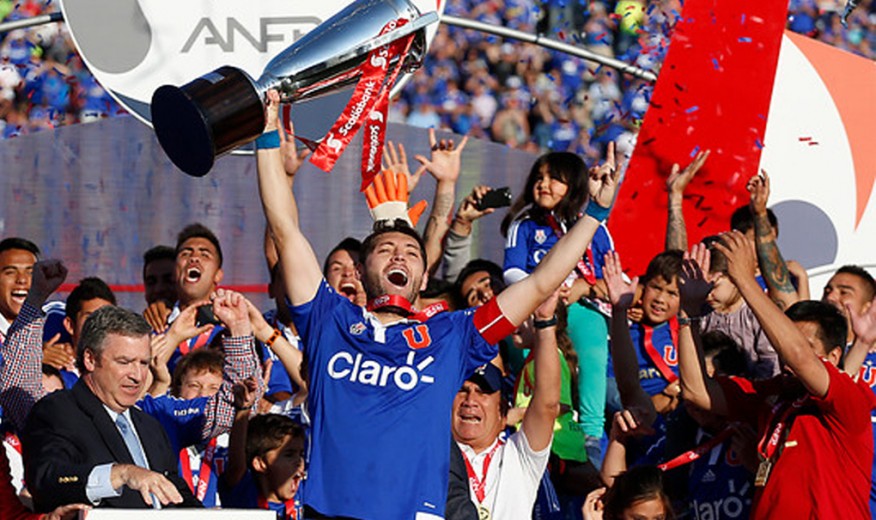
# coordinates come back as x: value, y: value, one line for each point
x: 89, y: 444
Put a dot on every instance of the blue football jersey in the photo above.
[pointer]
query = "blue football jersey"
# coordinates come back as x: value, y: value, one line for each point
x: 720, y: 486
x: 528, y: 242
x: 380, y: 401
x: 652, y: 380
x: 182, y: 418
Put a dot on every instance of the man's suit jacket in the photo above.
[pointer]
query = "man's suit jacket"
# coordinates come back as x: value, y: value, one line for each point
x: 69, y: 432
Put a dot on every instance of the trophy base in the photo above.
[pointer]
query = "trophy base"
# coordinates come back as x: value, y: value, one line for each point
x: 207, y: 117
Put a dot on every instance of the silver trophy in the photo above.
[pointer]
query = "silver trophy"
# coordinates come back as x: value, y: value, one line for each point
x: 224, y: 109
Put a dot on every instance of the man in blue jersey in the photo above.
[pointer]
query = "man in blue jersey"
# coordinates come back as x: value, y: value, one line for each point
x: 383, y: 378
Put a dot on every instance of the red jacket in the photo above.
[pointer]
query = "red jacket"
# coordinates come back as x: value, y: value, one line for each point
x: 10, y: 507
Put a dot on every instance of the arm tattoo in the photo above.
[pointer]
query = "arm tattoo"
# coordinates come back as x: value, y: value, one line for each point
x: 772, y: 265
x: 441, y: 208
x: 676, y: 232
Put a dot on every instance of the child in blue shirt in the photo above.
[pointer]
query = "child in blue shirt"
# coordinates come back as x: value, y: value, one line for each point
x: 554, y: 194
x: 266, y: 473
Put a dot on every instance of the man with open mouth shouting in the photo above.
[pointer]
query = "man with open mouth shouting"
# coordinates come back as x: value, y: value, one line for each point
x: 383, y: 378
x: 17, y: 257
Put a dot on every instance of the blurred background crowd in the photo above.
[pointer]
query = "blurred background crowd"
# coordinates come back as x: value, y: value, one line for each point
x: 514, y: 93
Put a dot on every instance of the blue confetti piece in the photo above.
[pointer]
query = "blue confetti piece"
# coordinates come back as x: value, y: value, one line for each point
x: 743, y: 18
x: 692, y: 109
x: 758, y: 144
x: 694, y: 152
x: 744, y: 39
x: 716, y: 64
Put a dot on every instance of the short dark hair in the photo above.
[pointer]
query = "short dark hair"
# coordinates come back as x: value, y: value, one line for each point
x: 832, y: 326
x: 198, y: 230
x: 266, y: 432
x: 19, y: 243
x: 666, y: 265
x: 103, y: 322
x: 497, y: 281
x: 350, y: 245
x: 726, y: 355
x: 742, y: 219
x: 197, y: 361
x: 88, y: 289
x: 860, y: 272
x: 159, y: 252
x: 634, y: 485
x: 382, y: 228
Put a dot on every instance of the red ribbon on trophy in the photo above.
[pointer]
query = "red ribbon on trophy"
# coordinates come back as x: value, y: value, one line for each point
x: 368, y: 106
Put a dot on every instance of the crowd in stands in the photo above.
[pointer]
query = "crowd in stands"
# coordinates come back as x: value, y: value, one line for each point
x: 475, y: 84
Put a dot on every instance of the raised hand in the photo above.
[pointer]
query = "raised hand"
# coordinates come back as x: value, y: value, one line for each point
x: 185, y: 327
x: 230, y: 307
x: 445, y: 162
x: 864, y: 324
x: 621, y: 293
x: 396, y: 161
x: 625, y: 425
x: 272, y: 110
x: 156, y: 315
x: 679, y: 179
x: 245, y: 393
x: 741, y: 256
x: 759, y: 189
x: 48, y: 275
x: 292, y: 158
x: 604, y: 179
x: 388, y: 196
x: 58, y: 355
x: 548, y: 308
x: 468, y: 209
x: 693, y: 283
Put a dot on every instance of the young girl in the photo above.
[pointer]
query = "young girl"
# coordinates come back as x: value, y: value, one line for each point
x: 554, y: 194
x: 730, y: 315
x: 636, y: 494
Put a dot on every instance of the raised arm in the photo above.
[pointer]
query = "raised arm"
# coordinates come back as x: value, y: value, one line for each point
x: 457, y: 244
x: 696, y: 386
x: 241, y: 362
x: 21, y: 374
x: 519, y: 300
x: 290, y: 356
x: 292, y: 161
x: 624, y: 427
x: 676, y: 231
x: 772, y: 265
x: 245, y: 396
x: 626, y: 366
x: 790, y: 343
x: 301, y: 269
x: 444, y: 165
x: 538, y: 420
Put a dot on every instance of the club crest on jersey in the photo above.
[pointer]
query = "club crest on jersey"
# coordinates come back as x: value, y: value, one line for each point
x: 540, y: 236
x: 357, y: 328
x: 670, y: 355
x: 417, y: 337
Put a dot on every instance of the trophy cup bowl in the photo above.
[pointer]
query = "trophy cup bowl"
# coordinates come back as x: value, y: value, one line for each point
x: 224, y: 109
